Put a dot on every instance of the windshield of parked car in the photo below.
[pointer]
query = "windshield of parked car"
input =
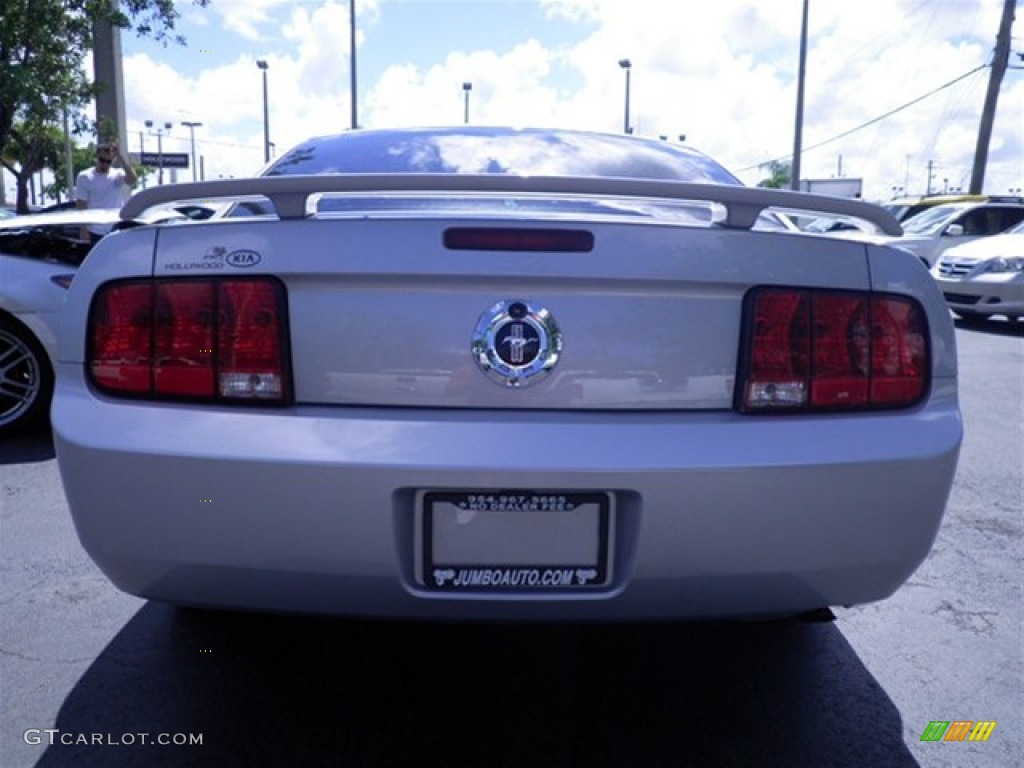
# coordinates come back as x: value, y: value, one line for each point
x: 898, y: 211
x: 931, y: 221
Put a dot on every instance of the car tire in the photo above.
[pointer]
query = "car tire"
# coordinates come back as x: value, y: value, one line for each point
x: 26, y: 379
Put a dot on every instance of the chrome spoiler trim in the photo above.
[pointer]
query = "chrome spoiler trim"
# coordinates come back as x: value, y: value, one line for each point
x: 290, y: 194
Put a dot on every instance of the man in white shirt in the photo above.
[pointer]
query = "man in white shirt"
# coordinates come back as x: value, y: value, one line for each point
x: 106, y: 185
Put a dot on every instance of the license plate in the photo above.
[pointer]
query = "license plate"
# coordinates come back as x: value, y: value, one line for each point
x: 515, y: 540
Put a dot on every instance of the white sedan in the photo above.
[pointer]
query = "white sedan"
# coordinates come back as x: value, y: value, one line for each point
x: 39, y: 255
x: 985, y: 277
x: 485, y: 374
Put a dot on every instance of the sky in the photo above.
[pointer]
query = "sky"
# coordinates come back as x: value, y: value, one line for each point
x: 722, y: 74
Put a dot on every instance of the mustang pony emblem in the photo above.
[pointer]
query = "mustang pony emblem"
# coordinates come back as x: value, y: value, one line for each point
x: 516, y: 343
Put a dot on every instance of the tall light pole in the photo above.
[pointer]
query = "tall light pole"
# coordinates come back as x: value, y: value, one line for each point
x: 160, y: 147
x: 192, y: 136
x: 69, y: 167
x: 798, y: 132
x: 466, y: 88
x: 352, y: 59
x: 262, y: 64
x: 627, y: 65
x: 142, y: 156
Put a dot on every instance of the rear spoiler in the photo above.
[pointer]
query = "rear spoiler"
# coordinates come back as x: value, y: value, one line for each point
x: 290, y: 194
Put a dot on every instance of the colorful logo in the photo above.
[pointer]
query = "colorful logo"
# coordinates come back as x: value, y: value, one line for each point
x: 958, y: 730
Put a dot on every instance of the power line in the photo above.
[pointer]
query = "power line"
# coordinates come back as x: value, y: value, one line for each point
x: 871, y: 122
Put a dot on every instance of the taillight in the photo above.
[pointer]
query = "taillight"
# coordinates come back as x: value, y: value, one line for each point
x: 828, y: 350
x: 218, y: 340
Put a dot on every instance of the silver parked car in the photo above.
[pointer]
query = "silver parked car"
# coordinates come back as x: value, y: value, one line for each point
x: 930, y: 233
x: 985, y: 277
x: 484, y: 374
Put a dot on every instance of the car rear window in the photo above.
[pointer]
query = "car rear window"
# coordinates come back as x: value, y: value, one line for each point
x: 502, y: 151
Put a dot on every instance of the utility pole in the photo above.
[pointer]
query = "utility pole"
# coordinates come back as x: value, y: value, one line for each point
x: 192, y: 125
x: 1000, y: 59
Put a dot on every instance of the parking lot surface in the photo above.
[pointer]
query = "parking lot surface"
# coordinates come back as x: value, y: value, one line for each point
x: 112, y: 680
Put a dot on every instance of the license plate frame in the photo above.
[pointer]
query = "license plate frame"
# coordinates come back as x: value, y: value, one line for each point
x: 514, y: 540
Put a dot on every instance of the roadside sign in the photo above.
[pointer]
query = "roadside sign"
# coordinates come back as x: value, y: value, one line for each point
x: 171, y: 159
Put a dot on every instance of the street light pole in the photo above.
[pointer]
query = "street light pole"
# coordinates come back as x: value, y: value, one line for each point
x: 262, y: 64
x: 69, y: 167
x: 627, y: 65
x: 798, y: 131
x: 352, y: 59
x: 466, y: 88
x: 192, y: 136
x: 160, y: 147
x: 142, y: 157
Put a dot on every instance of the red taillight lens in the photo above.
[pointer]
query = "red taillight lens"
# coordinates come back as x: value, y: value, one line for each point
x: 839, y: 375
x: 121, y: 338
x: 249, y: 341
x: 827, y: 350
x: 899, y: 352
x: 183, y: 339
x: 201, y: 339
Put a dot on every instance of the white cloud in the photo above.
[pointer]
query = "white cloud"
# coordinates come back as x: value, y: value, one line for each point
x: 505, y: 87
x: 246, y: 17
x: 726, y: 78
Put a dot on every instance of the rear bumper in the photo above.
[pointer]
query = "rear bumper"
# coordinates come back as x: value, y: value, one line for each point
x: 313, y: 509
x: 997, y: 295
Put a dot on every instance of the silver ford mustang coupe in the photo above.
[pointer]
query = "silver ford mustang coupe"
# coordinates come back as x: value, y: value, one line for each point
x: 490, y: 374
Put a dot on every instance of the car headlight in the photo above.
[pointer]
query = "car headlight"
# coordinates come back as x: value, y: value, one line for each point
x: 1006, y: 264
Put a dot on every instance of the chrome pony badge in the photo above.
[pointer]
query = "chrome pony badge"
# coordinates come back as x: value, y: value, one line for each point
x: 516, y: 343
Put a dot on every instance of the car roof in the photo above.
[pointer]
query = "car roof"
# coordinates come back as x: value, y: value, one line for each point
x: 62, y: 218
x: 85, y: 217
x: 941, y: 199
x: 955, y: 207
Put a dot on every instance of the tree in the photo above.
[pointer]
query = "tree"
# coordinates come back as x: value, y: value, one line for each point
x: 43, y: 44
x: 36, y: 149
x: 81, y: 158
x: 780, y: 172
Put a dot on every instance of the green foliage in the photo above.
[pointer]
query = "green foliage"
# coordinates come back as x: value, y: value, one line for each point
x: 34, y: 146
x: 780, y: 175
x: 43, y: 45
x: 81, y: 158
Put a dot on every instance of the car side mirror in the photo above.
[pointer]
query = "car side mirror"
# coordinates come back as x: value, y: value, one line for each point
x: 954, y: 230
